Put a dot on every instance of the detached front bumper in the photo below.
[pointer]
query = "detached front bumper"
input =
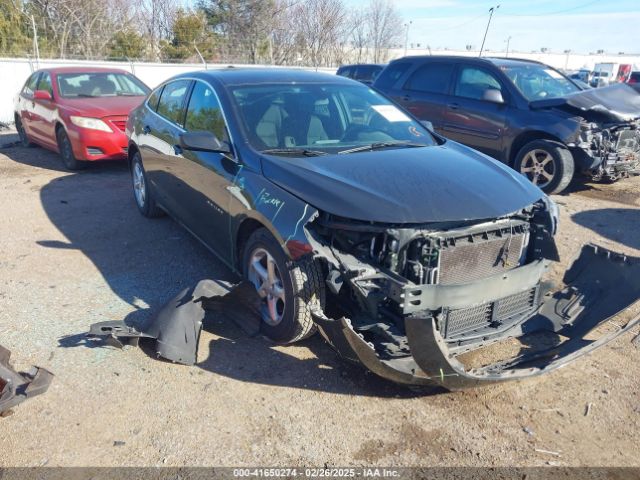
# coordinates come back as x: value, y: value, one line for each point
x: 600, y: 285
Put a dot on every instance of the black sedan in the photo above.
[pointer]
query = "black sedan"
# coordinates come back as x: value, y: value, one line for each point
x: 347, y: 215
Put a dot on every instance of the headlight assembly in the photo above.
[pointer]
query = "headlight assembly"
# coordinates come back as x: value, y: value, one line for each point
x: 91, y: 123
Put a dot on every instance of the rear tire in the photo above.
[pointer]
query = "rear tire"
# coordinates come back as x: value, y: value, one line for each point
x: 24, y: 138
x: 548, y: 164
x: 297, y: 287
x: 66, y: 151
x: 142, y: 192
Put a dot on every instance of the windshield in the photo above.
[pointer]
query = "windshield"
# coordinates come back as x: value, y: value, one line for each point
x: 316, y: 119
x: 100, y: 84
x: 537, y: 82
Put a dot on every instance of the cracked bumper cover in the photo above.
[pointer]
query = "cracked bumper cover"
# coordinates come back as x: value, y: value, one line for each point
x: 17, y: 387
x: 600, y: 285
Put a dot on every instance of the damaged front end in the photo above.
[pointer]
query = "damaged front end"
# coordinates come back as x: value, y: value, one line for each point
x: 459, y: 305
x: 608, y: 151
x: 606, y: 144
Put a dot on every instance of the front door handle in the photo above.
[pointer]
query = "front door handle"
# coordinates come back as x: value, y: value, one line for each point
x: 453, y: 106
x: 406, y: 98
x: 177, y: 149
x: 146, y: 130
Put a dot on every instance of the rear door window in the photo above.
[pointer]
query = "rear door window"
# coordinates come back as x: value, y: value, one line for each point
x: 473, y: 82
x: 345, y: 72
x: 431, y: 78
x: 363, y: 73
x: 204, y: 112
x: 391, y: 75
x: 172, y: 100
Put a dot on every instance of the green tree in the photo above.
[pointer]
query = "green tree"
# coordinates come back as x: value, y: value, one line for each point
x: 189, y: 33
x: 127, y: 44
x: 15, y: 39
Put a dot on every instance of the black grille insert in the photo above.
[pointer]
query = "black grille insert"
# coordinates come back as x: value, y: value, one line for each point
x: 488, y: 315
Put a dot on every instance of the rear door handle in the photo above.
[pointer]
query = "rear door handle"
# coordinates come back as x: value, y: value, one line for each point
x: 453, y: 106
x: 146, y: 130
x: 177, y: 149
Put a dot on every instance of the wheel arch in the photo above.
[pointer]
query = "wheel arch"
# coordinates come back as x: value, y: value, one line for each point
x: 526, y: 137
x: 243, y: 232
x: 131, y: 151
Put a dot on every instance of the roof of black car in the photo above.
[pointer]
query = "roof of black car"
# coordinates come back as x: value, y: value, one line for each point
x: 247, y: 75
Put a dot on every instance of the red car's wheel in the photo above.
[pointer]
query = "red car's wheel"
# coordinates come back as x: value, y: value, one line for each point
x: 66, y: 151
x: 24, y: 138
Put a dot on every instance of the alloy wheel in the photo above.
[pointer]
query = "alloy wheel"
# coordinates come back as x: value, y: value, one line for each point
x: 539, y: 167
x: 139, y: 187
x: 265, y: 275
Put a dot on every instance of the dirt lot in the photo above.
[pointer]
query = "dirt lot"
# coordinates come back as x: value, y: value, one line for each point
x: 74, y: 251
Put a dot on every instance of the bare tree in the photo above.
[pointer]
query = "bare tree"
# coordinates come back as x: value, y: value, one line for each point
x: 385, y: 28
x: 321, y: 28
x: 359, y: 35
x: 157, y: 17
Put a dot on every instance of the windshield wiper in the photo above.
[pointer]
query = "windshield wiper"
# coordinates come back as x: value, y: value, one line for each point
x: 294, y: 151
x: 128, y: 94
x: 379, y: 145
x: 85, y: 95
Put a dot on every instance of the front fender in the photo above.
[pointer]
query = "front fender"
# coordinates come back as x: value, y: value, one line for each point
x: 254, y: 197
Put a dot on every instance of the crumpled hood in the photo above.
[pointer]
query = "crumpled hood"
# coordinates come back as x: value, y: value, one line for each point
x: 407, y: 185
x: 615, y: 103
x: 103, y: 106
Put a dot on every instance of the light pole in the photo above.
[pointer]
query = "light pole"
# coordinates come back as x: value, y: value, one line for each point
x: 508, y: 41
x: 491, y: 10
x: 406, y: 37
x: 566, y: 61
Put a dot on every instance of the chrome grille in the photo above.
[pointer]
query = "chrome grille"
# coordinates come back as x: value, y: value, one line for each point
x: 465, y: 320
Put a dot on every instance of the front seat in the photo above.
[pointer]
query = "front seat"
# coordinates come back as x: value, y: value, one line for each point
x: 302, y: 126
x: 269, y: 127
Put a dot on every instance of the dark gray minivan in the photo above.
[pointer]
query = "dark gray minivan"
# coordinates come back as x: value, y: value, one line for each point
x: 523, y: 113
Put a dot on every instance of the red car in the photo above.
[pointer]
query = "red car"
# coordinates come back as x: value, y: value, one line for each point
x: 79, y: 112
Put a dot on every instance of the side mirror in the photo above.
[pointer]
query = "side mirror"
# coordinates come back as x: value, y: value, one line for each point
x: 203, y: 142
x: 492, y: 95
x: 427, y: 124
x: 42, y: 95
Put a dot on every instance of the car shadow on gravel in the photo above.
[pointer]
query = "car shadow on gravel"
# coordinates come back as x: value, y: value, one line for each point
x: 42, y: 158
x: 255, y: 359
x: 622, y: 225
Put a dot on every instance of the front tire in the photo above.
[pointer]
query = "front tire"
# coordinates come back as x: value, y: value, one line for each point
x: 288, y: 289
x: 24, y: 138
x: 548, y: 164
x: 142, y: 192
x: 66, y: 151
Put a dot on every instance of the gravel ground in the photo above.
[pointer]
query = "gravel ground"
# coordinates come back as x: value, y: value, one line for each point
x: 75, y: 251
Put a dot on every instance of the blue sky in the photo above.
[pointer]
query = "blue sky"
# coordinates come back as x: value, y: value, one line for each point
x: 582, y: 26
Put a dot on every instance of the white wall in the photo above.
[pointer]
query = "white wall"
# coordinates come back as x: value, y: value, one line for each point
x: 15, y: 71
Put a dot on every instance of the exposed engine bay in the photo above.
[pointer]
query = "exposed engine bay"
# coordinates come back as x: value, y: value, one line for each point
x: 409, y: 301
x: 609, y: 150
